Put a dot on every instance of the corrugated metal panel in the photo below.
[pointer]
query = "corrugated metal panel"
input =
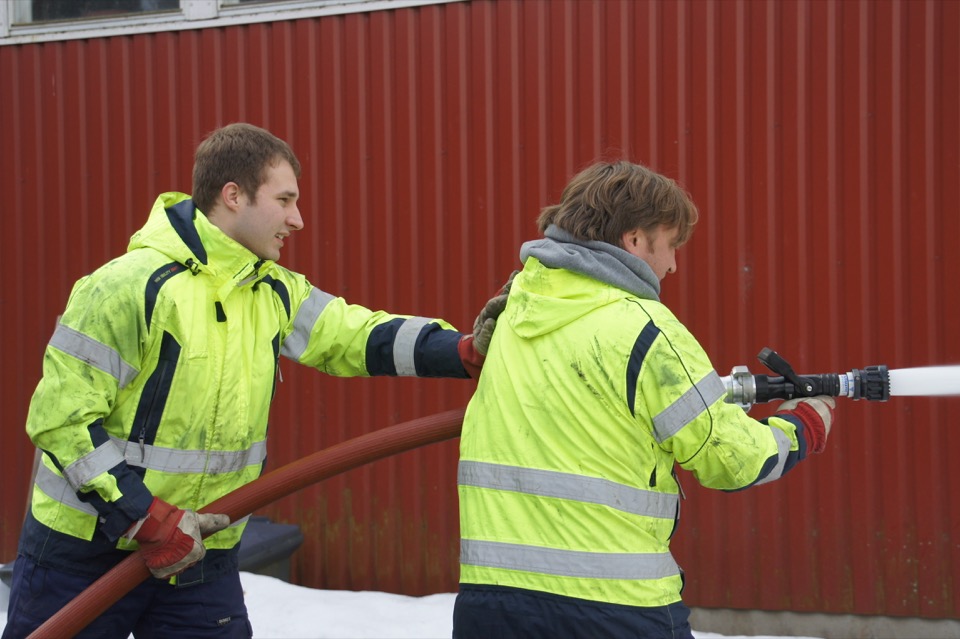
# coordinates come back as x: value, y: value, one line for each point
x: 819, y: 138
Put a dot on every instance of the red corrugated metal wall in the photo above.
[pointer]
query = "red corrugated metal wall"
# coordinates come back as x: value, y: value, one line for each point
x: 820, y: 139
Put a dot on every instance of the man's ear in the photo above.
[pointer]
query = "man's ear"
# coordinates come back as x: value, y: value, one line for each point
x: 636, y: 243
x: 632, y: 239
x: 230, y: 193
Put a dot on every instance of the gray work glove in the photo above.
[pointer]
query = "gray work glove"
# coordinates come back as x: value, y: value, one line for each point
x: 486, y: 321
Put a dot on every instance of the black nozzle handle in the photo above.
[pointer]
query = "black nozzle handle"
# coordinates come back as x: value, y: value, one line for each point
x: 773, y: 388
x: 871, y: 383
x: 772, y: 360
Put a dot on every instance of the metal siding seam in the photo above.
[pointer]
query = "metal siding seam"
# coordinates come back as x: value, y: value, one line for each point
x: 714, y: 158
x: 410, y: 169
x: 20, y: 352
x: 741, y: 199
x: 653, y: 80
x: 772, y: 162
x: 682, y: 39
x: 865, y: 160
x: 803, y: 176
x: 431, y: 509
x: 512, y: 170
x: 931, y: 546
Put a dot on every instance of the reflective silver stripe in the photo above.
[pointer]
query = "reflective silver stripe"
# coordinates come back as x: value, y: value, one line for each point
x: 210, y: 462
x: 567, y: 563
x: 783, y: 449
x: 404, y: 345
x: 296, y: 343
x: 56, y: 488
x: 688, y: 407
x: 94, y: 353
x: 548, y: 483
x: 100, y: 460
x: 168, y: 460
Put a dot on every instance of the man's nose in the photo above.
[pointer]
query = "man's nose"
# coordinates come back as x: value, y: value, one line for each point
x: 295, y: 221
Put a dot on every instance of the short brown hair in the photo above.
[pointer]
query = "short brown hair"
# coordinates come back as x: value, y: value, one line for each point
x: 608, y: 199
x: 238, y: 153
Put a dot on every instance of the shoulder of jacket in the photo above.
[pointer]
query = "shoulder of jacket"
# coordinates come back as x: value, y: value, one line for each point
x: 658, y: 313
x: 129, y: 270
x: 296, y: 283
x: 129, y: 276
x: 654, y: 309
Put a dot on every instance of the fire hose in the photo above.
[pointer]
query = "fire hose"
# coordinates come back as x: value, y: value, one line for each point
x: 126, y: 575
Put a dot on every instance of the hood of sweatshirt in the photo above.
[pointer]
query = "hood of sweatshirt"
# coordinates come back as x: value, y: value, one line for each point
x: 563, y: 279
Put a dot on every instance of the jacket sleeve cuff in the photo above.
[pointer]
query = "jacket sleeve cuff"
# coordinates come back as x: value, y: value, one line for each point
x: 116, y: 517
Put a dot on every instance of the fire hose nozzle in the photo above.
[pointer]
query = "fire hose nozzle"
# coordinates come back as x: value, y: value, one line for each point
x: 872, y: 382
x: 745, y: 389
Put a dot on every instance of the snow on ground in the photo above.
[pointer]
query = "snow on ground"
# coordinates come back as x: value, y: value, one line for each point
x: 280, y: 610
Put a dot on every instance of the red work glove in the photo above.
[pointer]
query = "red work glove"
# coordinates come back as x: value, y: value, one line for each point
x: 471, y: 359
x: 816, y: 413
x: 171, y: 539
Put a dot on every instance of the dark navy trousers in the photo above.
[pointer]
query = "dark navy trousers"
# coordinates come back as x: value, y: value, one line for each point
x: 153, y: 610
x: 496, y: 612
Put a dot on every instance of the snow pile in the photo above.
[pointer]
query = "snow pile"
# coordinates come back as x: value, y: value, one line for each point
x: 279, y: 610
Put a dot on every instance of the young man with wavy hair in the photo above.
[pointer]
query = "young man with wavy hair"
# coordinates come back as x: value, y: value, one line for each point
x: 591, y: 393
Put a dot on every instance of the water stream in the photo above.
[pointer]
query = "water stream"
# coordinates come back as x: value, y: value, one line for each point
x: 927, y: 381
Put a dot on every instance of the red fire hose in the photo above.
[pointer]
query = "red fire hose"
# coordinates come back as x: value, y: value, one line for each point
x: 111, y: 587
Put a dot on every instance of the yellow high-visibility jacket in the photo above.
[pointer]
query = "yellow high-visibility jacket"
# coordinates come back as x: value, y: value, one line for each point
x: 589, y: 396
x: 159, y: 376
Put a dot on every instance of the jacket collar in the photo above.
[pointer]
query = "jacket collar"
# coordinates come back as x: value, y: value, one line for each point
x: 178, y: 229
